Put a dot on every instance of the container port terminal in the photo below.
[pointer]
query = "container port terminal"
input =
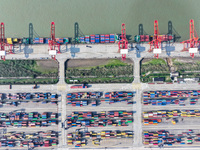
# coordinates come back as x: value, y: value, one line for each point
x: 111, y: 116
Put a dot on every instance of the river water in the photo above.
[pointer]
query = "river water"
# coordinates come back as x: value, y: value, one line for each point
x: 97, y: 16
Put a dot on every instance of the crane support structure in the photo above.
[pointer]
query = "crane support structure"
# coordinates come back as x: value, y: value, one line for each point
x: 4, y: 47
x: 155, y: 44
x: 192, y: 44
x: 54, y: 47
x: 123, y: 42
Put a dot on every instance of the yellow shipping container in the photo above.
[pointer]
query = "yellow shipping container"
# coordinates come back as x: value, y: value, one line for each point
x: 9, y: 40
x: 169, y: 115
x: 78, y: 141
x: 15, y: 40
x: 155, y: 134
x: 123, y: 133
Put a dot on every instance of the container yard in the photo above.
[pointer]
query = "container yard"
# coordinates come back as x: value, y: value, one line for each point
x: 23, y: 119
x: 29, y: 120
x: 86, y: 99
x: 171, y: 138
x: 84, y: 95
x: 171, y: 94
x: 32, y: 140
x: 102, y: 119
x: 98, y: 122
x: 92, y: 138
x: 181, y: 118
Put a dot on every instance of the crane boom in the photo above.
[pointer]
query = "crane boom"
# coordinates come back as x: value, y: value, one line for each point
x: 192, y: 44
x: 123, y: 42
x: 155, y: 44
x: 3, y: 45
x: 54, y: 47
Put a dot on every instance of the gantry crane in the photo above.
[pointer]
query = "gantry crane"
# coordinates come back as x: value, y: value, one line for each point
x: 54, y: 47
x: 155, y: 44
x: 192, y: 44
x: 123, y: 42
x: 4, y: 47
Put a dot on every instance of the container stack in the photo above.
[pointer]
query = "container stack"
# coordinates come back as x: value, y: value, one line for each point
x: 112, y: 38
x: 65, y: 40
x: 97, y: 38
x: 46, y: 40
x: 36, y: 40
x: 30, y: 116
x: 41, y: 40
x: 94, y: 103
x: 193, y: 101
x: 87, y: 39
x: 92, y: 39
x: 85, y: 103
x: 82, y: 39
x: 53, y: 116
x: 107, y: 38
x: 102, y: 38
x: 44, y: 115
x: 59, y: 40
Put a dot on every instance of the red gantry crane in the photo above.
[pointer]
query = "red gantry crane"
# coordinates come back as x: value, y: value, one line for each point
x: 155, y: 44
x: 123, y: 42
x: 192, y: 44
x: 54, y: 47
x: 4, y: 47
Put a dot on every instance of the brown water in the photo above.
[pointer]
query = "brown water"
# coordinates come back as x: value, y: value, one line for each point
x: 97, y: 16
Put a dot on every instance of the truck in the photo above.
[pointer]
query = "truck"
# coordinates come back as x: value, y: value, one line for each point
x: 35, y: 86
x: 79, y: 86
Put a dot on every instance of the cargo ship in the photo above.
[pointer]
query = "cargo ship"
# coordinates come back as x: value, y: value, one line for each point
x: 87, y: 39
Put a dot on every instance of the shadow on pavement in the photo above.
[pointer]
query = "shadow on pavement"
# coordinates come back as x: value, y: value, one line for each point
x: 169, y: 48
x: 64, y: 49
x: 74, y: 50
x: 27, y: 51
x: 139, y: 49
x: 17, y: 49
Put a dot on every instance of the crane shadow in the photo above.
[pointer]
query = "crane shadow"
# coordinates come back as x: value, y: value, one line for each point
x: 139, y: 49
x: 64, y: 48
x: 73, y: 50
x: 17, y: 48
x: 169, y: 48
x: 27, y: 50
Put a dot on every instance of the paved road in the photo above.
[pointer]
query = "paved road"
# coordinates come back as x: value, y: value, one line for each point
x: 101, y: 51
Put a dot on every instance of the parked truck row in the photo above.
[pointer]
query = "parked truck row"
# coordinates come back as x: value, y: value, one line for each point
x: 108, y: 95
x: 170, y: 94
x: 93, y: 119
x: 165, y: 138
x: 96, y: 102
x: 23, y: 119
x: 22, y: 139
x: 157, y: 116
x: 84, y: 95
x: 28, y: 96
x: 113, y: 95
x: 80, y: 139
